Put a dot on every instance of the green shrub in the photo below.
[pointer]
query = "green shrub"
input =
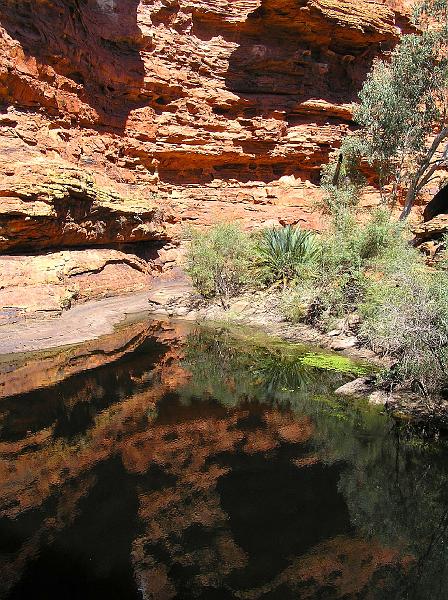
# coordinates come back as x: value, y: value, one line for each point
x: 294, y: 303
x: 347, y: 257
x: 381, y: 235
x: 284, y: 253
x: 341, y: 178
x: 405, y: 316
x: 350, y: 252
x: 219, y: 261
x: 374, y: 270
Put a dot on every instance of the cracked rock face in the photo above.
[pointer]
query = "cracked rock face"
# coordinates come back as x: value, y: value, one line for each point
x: 120, y: 120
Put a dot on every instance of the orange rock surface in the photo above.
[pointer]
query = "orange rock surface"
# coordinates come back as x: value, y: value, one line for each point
x: 119, y: 121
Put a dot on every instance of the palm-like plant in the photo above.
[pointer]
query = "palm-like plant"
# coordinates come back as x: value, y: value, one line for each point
x: 284, y: 252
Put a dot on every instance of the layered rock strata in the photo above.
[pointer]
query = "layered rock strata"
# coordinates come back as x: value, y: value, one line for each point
x: 120, y: 121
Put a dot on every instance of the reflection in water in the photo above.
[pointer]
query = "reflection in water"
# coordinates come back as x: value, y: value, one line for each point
x: 207, y: 464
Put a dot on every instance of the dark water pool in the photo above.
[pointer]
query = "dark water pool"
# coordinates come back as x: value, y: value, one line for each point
x: 170, y: 461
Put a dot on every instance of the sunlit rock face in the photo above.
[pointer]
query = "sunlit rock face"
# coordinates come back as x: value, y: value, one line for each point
x: 120, y: 120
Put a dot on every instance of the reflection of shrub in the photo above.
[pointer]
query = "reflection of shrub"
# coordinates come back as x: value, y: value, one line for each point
x: 231, y: 369
x: 219, y: 261
x: 284, y: 252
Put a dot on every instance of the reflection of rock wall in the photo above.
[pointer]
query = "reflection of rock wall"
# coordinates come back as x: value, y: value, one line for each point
x: 31, y: 372
x: 121, y: 119
x: 181, y: 462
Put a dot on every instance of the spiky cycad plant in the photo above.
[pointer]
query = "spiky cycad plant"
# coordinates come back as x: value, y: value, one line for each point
x: 284, y: 252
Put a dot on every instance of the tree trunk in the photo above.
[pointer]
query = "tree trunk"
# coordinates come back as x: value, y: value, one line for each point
x: 409, y: 203
x: 424, y: 173
x: 337, y: 172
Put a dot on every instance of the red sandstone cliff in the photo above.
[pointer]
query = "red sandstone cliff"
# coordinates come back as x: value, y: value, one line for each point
x: 119, y: 120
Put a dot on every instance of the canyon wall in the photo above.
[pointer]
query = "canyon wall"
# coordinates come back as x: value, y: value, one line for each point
x: 123, y: 121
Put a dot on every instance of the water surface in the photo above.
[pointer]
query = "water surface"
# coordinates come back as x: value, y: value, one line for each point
x: 173, y: 461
